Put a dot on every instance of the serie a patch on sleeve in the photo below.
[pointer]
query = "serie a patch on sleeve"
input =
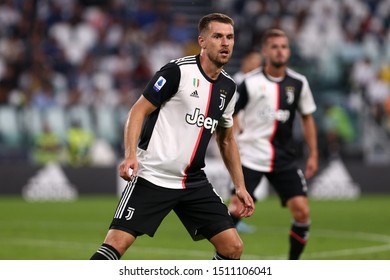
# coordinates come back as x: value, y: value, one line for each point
x: 159, y: 83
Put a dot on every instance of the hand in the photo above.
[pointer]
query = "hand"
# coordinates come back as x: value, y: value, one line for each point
x: 128, y: 168
x: 235, y: 206
x: 311, y: 167
x: 247, y: 206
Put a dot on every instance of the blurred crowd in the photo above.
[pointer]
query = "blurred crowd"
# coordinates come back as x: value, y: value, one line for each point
x: 94, y: 54
x: 342, y: 46
x: 99, y: 54
x: 73, y: 52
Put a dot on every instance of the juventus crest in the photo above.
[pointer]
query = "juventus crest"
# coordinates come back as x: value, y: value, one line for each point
x: 130, y: 212
x: 290, y: 94
x: 222, y: 97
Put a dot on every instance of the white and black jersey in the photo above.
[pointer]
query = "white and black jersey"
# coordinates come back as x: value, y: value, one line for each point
x: 175, y: 136
x: 268, y: 109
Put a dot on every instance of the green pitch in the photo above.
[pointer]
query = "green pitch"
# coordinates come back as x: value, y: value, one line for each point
x: 351, y: 230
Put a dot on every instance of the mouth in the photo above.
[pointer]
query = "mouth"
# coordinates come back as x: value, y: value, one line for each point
x: 224, y: 52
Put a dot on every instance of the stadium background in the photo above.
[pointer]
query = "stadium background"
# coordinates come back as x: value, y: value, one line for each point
x: 74, y: 68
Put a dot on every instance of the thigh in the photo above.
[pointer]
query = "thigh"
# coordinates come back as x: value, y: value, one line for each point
x: 203, y: 212
x: 288, y: 184
x: 143, y: 206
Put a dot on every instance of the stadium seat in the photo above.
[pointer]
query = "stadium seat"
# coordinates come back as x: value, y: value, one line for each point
x: 10, y: 133
x: 80, y: 114
x: 106, y: 124
x: 56, y: 119
x: 31, y: 121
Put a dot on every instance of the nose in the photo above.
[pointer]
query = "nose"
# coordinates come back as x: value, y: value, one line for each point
x: 225, y: 41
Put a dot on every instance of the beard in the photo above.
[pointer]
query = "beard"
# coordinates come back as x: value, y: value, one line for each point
x: 278, y: 64
x: 219, y: 62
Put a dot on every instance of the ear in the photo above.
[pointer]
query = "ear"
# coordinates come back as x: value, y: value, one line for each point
x: 263, y: 51
x: 201, y: 42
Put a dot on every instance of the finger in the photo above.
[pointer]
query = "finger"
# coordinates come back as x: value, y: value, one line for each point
x: 245, y: 211
x: 248, y: 212
x: 251, y: 210
x: 235, y: 206
x: 309, y: 173
x: 122, y: 169
x: 125, y: 177
x: 123, y: 172
x: 135, y: 170
x: 248, y: 208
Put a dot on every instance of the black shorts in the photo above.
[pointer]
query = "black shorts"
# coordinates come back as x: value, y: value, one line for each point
x: 144, y: 205
x: 287, y: 183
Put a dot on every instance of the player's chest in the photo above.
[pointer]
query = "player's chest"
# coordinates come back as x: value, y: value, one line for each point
x: 274, y: 95
x: 198, y: 94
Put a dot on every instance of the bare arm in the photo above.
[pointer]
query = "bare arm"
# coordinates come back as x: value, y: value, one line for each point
x: 310, y: 134
x: 236, y: 125
x: 230, y: 155
x: 133, y: 126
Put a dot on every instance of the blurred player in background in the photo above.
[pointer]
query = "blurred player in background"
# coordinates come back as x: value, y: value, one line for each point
x: 166, y: 137
x: 251, y: 60
x: 269, y: 99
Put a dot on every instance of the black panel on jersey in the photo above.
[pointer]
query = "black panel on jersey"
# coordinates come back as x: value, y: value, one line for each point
x: 285, y: 149
x: 147, y: 129
x: 171, y: 73
x: 222, y: 86
x: 242, y: 98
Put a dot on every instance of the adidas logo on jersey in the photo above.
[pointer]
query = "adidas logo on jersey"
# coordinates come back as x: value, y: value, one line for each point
x: 195, y: 94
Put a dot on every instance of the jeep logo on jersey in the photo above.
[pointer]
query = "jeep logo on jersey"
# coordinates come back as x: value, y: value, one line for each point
x: 271, y: 115
x: 201, y: 120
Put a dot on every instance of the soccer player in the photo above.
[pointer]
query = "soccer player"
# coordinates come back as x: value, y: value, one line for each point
x: 268, y: 101
x: 166, y: 136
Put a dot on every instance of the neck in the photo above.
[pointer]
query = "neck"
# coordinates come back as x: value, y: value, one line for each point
x: 209, y: 67
x: 276, y: 72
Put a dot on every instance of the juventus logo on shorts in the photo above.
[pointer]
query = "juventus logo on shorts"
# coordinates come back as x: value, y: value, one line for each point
x: 124, y: 200
x: 130, y: 212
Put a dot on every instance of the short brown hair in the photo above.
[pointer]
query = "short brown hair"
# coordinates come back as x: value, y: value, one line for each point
x: 207, y: 19
x: 270, y: 33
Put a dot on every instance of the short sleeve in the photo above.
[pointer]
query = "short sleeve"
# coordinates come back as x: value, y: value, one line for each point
x: 306, y: 103
x: 227, y: 117
x: 241, y: 98
x: 163, y: 85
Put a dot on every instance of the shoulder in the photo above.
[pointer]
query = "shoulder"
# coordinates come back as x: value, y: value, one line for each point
x: 254, y: 74
x: 183, y: 65
x: 176, y: 64
x: 184, y: 60
x: 295, y: 75
x: 226, y: 76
